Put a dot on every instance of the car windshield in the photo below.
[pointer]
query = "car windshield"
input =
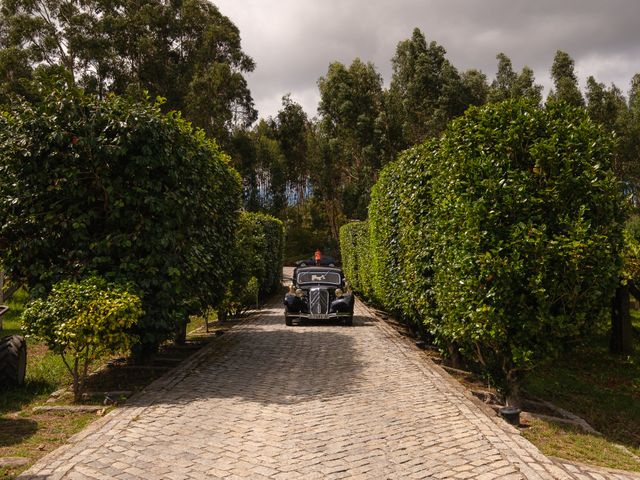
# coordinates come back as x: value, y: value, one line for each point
x: 312, y: 276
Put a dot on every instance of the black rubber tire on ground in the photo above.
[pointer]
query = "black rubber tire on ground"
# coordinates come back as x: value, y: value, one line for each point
x: 288, y: 321
x: 13, y: 361
x: 348, y: 321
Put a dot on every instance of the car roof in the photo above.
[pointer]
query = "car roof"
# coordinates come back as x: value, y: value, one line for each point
x: 319, y: 267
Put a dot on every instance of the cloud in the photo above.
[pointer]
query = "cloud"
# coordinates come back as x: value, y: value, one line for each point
x: 293, y: 41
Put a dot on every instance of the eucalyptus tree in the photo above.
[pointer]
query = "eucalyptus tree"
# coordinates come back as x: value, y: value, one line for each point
x: 291, y: 129
x: 509, y: 84
x: 352, y: 125
x: 427, y: 88
x: 565, y: 81
x: 183, y: 50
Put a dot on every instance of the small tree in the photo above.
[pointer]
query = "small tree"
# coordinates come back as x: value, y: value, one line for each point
x: 83, y: 321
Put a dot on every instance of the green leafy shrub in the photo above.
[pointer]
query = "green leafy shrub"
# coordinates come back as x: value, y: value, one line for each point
x: 116, y: 187
x: 526, y: 232
x: 384, y: 235
x: 273, y: 254
x: 503, y: 237
x: 83, y: 321
x: 348, y: 242
x: 356, y: 257
x: 631, y: 256
x: 257, y: 265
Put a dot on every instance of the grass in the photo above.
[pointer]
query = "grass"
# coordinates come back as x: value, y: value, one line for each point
x: 571, y: 443
x: 22, y: 432
x: 603, y: 389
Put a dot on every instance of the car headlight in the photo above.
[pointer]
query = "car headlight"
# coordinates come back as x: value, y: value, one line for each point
x: 299, y: 293
x: 339, y: 293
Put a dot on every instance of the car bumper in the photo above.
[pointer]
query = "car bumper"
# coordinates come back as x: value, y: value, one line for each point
x: 318, y: 316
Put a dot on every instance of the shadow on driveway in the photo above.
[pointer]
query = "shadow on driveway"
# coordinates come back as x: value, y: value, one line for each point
x: 269, y: 363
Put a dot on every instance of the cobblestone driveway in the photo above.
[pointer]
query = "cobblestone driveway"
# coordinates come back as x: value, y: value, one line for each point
x: 315, y: 401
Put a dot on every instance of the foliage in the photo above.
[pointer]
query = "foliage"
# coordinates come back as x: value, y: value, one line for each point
x: 384, y: 232
x: 257, y: 261
x: 272, y: 255
x: 609, y: 107
x: 117, y: 188
x: 83, y: 321
x: 354, y: 246
x: 351, y: 129
x: 508, y: 84
x: 503, y: 237
x: 565, y: 82
x: 527, y: 232
x: 427, y: 87
x: 186, y: 52
x: 631, y: 256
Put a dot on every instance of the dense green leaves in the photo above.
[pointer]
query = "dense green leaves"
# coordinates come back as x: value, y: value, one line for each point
x: 117, y: 188
x: 527, y: 232
x: 83, y: 321
x: 257, y: 261
x: 357, y: 257
x: 186, y: 52
x: 504, y: 237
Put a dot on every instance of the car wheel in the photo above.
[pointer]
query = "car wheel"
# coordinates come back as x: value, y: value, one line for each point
x: 288, y: 321
x: 13, y: 361
x: 348, y: 321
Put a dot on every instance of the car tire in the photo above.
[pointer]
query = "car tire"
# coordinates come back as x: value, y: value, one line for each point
x: 288, y: 321
x: 348, y: 321
x: 13, y: 361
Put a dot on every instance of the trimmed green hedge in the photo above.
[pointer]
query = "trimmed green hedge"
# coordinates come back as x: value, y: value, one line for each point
x: 503, y: 237
x: 116, y: 188
x: 273, y: 253
x: 257, y: 266
x: 356, y: 257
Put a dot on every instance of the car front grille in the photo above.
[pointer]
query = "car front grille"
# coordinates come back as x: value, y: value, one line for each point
x: 318, y: 301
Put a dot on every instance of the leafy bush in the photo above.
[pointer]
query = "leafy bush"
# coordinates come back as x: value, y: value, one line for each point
x: 273, y: 253
x: 83, y: 321
x: 118, y: 188
x: 631, y: 256
x: 503, y: 237
x: 383, y: 235
x: 356, y: 256
x: 257, y: 266
x: 527, y: 232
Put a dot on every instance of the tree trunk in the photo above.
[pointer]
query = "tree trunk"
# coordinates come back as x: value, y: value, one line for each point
x: 513, y: 395
x: 181, y: 333
x: 454, y: 355
x: 621, y: 341
x: 77, y: 393
x: 513, y: 377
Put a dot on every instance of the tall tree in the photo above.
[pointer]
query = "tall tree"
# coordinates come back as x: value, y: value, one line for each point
x: 475, y: 87
x: 565, y: 81
x: 629, y: 143
x: 509, y: 84
x: 185, y: 51
x: 502, y: 86
x: 426, y: 86
x: 291, y: 129
x: 351, y: 122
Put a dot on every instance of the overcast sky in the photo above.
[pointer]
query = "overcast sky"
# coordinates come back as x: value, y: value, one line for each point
x: 293, y: 41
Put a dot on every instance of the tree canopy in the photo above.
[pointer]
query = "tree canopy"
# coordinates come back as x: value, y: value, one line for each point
x: 185, y: 51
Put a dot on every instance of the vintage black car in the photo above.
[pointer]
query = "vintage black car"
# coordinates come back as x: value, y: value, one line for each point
x: 318, y: 293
